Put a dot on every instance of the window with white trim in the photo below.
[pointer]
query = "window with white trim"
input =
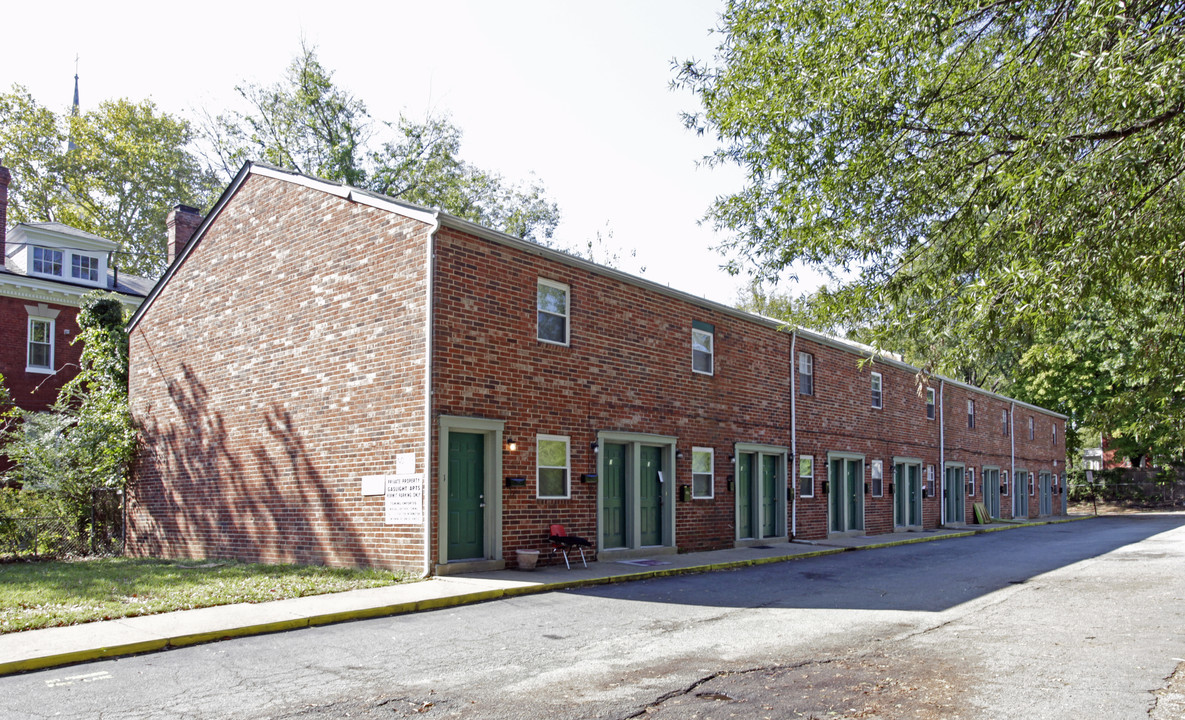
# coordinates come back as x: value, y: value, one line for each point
x: 970, y: 414
x: 1004, y: 423
x: 1003, y: 482
x: 703, y: 343
x: 552, y: 303
x: 971, y: 482
x: 878, y: 478
x: 1053, y: 430
x: 1031, y: 427
x: 929, y: 403
x: 40, y: 352
x: 929, y: 481
x: 551, y: 465
x: 1032, y: 484
x: 877, y: 394
x: 84, y: 267
x: 47, y: 261
x: 703, y: 464
x: 806, y: 374
x: 806, y: 476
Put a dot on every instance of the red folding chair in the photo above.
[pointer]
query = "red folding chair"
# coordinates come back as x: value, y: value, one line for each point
x: 562, y: 541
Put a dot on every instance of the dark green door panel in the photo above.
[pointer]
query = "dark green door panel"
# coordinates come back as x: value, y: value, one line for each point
x: 746, y: 473
x: 466, y: 487
x: 613, y: 494
x: 650, y: 495
x: 769, y: 497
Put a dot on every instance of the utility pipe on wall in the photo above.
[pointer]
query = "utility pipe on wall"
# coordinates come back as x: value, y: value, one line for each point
x: 793, y: 469
x: 429, y: 257
x: 1012, y: 442
x: 941, y: 479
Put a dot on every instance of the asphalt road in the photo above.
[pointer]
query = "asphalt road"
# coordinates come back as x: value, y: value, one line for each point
x: 1081, y: 620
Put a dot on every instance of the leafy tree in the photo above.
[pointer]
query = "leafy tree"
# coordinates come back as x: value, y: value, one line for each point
x: 88, y: 438
x: 990, y: 174
x: 129, y: 166
x: 306, y: 123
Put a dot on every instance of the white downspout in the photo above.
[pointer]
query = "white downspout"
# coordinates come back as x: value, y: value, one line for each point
x: 941, y: 479
x: 429, y: 257
x: 794, y: 437
x: 1012, y: 451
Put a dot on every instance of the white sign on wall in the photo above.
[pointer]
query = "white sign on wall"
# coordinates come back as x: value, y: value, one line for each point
x: 404, y: 499
x: 405, y: 463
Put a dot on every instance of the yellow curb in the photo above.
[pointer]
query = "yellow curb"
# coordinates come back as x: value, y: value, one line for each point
x: 241, y: 631
x: 362, y: 613
x: 48, y: 661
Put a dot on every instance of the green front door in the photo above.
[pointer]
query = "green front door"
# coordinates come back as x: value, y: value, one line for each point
x: 1020, y: 494
x: 746, y: 475
x: 613, y: 505
x: 991, y: 491
x: 1045, y: 506
x: 650, y: 495
x: 907, y: 495
x: 846, y: 495
x: 955, y: 507
x: 769, y: 498
x: 466, y: 499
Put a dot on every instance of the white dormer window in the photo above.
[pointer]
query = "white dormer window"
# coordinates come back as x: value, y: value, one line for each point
x: 84, y: 267
x: 47, y: 261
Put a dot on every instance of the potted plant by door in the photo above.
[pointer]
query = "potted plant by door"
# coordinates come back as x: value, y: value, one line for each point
x: 527, y: 559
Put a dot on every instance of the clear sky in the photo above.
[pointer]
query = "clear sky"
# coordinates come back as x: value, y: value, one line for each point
x: 576, y: 93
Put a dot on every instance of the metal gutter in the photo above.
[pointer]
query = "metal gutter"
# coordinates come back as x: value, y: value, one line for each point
x: 430, y: 271
x: 794, y: 438
x: 941, y: 479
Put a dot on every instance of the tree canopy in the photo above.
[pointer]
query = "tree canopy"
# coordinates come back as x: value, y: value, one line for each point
x: 129, y: 165
x: 307, y: 123
x: 990, y: 184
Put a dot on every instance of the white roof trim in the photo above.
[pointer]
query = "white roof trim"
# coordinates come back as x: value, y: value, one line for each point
x: 22, y: 285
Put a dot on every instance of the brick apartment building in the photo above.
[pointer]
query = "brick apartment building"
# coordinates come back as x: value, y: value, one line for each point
x: 329, y: 376
x: 45, y: 269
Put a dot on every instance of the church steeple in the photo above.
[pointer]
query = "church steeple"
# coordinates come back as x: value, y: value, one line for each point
x: 74, y: 108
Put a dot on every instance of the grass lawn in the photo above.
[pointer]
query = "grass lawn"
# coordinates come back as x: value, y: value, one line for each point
x: 49, y: 594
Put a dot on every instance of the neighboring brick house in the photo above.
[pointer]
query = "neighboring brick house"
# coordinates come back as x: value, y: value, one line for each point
x: 46, y: 268
x: 329, y: 376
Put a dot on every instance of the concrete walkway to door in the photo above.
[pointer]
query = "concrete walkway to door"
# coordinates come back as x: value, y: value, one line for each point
x: 52, y: 647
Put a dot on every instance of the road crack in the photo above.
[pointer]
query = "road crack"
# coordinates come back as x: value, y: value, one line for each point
x: 1170, y: 699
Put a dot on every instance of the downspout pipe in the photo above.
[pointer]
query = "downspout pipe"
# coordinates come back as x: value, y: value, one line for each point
x: 793, y: 469
x: 1012, y: 452
x: 429, y: 280
x: 941, y: 479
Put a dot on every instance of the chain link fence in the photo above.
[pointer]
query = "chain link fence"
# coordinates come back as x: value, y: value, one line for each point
x: 100, y: 533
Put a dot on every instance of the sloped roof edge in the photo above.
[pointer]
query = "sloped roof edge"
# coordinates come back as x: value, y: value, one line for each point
x: 443, y: 219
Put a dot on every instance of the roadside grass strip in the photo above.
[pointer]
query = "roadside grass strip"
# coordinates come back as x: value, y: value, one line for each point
x: 58, y: 593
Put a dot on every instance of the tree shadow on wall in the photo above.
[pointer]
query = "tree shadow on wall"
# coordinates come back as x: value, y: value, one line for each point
x: 247, y: 491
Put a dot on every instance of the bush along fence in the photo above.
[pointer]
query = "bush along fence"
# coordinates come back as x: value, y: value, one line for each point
x: 1129, y: 485
x: 99, y: 532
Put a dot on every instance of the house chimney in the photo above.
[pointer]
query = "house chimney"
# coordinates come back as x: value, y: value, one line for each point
x: 181, y: 222
x: 5, y: 178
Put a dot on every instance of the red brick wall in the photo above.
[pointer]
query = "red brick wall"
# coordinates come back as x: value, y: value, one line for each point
x: 628, y: 368
x: 285, y: 360
x: 839, y: 417
x: 36, y: 391
x: 280, y: 364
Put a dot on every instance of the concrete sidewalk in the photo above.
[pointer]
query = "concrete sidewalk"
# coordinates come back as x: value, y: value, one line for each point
x: 37, y: 649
